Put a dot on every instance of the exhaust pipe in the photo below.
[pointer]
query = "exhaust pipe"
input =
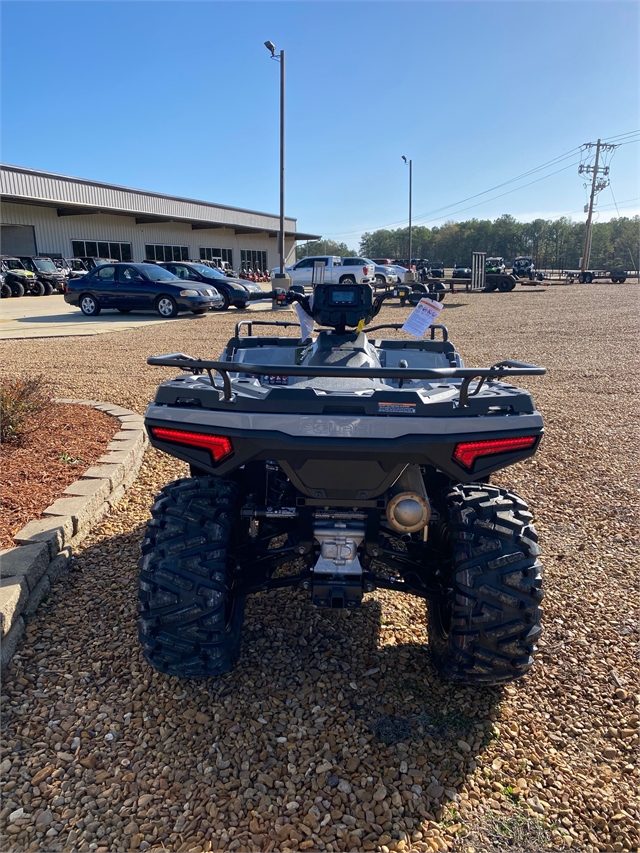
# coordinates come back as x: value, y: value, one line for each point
x: 408, y: 508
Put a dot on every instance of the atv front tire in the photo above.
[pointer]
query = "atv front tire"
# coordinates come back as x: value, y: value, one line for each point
x: 189, y: 621
x: 485, y: 632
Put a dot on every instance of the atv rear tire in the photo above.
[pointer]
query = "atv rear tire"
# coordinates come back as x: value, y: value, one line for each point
x: 486, y: 632
x: 17, y: 289
x: 37, y: 288
x: 6, y: 291
x: 189, y: 624
x: 48, y: 288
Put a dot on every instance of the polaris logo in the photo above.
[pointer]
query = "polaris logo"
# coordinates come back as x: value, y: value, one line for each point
x: 327, y: 426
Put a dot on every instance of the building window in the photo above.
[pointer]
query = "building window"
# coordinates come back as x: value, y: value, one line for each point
x: 209, y: 254
x: 253, y: 260
x: 101, y: 249
x: 166, y: 253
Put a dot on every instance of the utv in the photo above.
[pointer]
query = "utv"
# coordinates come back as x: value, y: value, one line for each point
x: 47, y: 274
x: 19, y: 279
x: 523, y: 267
x: 338, y: 463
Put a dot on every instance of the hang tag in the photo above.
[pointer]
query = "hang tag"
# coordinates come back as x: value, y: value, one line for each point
x: 422, y: 317
x: 306, y: 322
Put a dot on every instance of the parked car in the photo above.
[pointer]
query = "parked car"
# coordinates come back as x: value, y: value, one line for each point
x: 383, y: 262
x: 46, y: 272
x: 385, y: 274
x: 460, y: 271
x: 337, y: 270
x: 232, y: 291
x: 494, y: 265
x: 130, y: 286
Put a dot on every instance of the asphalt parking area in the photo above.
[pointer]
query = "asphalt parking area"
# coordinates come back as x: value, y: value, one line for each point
x: 52, y: 317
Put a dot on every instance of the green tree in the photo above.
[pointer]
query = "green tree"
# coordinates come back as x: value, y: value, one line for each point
x: 324, y: 247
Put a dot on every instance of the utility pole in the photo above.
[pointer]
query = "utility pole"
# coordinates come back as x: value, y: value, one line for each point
x: 409, y: 163
x: 597, y: 185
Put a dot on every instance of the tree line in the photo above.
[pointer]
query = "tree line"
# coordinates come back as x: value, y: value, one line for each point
x: 553, y: 244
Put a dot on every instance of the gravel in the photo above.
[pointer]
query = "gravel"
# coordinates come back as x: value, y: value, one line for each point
x: 334, y: 732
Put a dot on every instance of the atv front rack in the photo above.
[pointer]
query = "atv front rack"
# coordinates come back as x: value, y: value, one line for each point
x: 467, y: 374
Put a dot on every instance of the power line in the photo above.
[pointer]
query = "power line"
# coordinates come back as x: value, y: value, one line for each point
x: 549, y: 163
x: 561, y: 158
x: 620, y: 135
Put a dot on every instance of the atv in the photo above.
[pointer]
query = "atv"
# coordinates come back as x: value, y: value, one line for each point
x: 337, y: 462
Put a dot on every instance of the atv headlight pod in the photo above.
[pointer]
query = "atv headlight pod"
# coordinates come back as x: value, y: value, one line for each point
x: 219, y: 446
x: 466, y: 452
x: 189, y: 293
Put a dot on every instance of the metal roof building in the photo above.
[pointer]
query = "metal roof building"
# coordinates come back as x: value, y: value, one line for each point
x: 49, y: 214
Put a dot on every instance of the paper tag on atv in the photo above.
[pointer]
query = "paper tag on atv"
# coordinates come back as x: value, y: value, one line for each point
x: 422, y: 316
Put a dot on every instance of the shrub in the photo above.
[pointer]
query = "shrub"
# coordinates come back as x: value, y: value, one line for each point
x: 21, y: 400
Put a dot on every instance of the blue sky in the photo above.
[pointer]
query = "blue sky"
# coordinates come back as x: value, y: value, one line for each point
x: 182, y: 98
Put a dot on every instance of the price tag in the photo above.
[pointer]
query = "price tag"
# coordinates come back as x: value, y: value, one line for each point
x: 306, y: 322
x: 422, y: 316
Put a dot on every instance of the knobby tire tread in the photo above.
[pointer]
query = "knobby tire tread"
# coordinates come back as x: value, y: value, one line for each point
x: 186, y: 624
x: 497, y: 582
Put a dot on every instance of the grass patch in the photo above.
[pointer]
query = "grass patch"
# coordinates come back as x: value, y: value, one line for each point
x: 518, y: 832
x: 21, y: 400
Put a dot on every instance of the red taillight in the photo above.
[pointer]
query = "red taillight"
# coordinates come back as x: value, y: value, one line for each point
x: 218, y: 445
x: 365, y: 270
x: 467, y: 452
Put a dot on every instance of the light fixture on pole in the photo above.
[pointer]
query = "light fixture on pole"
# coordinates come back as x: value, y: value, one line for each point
x: 409, y: 276
x: 282, y: 276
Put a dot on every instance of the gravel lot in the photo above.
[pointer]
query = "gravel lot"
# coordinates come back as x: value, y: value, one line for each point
x: 334, y: 733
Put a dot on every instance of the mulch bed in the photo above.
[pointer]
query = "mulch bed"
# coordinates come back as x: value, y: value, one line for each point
x: 64, y: 441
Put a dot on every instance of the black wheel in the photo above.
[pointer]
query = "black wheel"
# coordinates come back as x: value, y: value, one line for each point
x: 489, y: 288
x: 347, y: 279
x: 225, y: 304
x: 166, y: 306
x: 380, y: 279
x: 124, y: 310
x: 5, y: 290
x: 504, y: 285
x: 189, y: 622
x: 48, y: 288
x: 17, y: 288
x: 485, y: 632
x: 88, y: 305
x: 588, y: 278
x: 36, y: 288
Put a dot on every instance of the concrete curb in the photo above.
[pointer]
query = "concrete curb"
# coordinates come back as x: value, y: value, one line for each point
x: 45, y: 546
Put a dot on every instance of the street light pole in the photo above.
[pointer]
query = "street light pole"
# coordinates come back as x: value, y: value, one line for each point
x: 280, y: 57
x: 410, y: 164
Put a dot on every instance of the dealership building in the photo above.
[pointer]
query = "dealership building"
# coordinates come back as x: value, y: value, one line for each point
x: 56, y: 215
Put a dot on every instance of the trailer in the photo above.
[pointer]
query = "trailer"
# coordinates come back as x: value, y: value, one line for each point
x: 616, y: 276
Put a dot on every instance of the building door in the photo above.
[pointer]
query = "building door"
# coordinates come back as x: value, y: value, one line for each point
x: 19, y: 240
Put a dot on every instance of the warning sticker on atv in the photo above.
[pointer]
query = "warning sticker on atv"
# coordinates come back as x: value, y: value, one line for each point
x: 422, y: 316
x: 396, y: 409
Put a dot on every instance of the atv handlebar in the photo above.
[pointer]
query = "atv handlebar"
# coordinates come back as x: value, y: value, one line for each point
x: 467, y: 374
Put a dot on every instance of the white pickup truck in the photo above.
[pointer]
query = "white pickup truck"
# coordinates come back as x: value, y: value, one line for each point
x: 336, y: 270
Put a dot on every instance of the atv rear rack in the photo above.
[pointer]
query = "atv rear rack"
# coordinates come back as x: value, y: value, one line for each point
x: 467, y: 374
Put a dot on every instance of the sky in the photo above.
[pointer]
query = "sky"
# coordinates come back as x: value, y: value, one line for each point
x: 183, y: 98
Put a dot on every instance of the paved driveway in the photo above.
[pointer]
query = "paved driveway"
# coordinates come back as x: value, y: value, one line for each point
x: 52, y: 317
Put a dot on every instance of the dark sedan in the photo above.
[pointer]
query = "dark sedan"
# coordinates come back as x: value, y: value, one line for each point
x: 130, y: 287
x: 232, y: 290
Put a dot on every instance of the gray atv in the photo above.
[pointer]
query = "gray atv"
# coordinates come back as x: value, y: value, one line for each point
x: 338, y: 462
